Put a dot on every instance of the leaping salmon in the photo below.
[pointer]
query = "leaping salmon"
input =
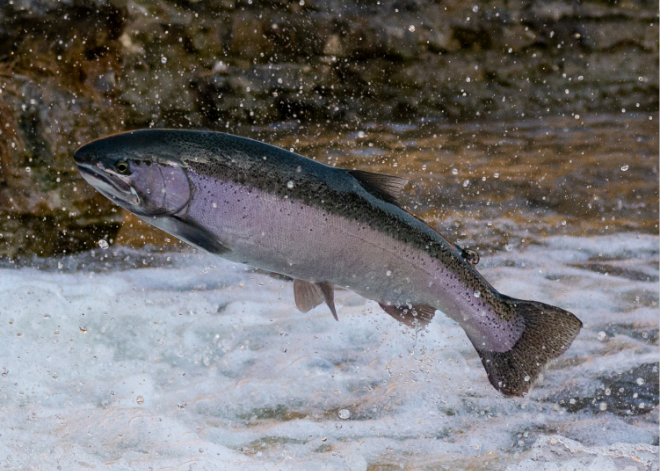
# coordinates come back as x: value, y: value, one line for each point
x: 263, y: 206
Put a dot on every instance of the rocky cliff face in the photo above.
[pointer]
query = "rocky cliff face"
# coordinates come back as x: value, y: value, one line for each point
x: 73, y: 70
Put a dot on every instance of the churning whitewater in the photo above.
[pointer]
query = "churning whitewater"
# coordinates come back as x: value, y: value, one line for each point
x: 260, y: 205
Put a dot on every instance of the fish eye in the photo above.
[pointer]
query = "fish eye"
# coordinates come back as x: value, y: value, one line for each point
x: 122, y: 167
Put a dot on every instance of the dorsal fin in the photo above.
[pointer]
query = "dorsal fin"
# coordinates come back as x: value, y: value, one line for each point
x: 386, y: 187
x: 309, y: 295
x: 418, y: 315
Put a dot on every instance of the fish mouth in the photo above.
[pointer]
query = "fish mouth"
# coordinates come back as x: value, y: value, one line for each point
x: 109, y: 184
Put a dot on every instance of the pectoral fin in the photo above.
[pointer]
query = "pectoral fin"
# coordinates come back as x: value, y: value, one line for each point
x: 309, y: 295
x: 191, y: 232
x: 417, y: 315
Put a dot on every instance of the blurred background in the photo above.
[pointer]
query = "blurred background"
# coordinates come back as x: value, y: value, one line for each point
x: 450, y: 93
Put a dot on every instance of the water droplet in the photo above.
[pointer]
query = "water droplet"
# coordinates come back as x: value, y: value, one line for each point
x: 103, y: 244
x: 290, y: 185
x: 639, y: 381
x: 83, y: 329
x: 602, y: 406
x: 454, y: 171
x: 572, y: 401
x: 163, y: 60
x: 59, y: 265
x: 140, y: 400
x: 624, y: 168
x: 411, y: 28
x: 608, y: 392
x: 343, y: 414
x: 477, y: 294
x: 497, y: 175
x: 527, y: 378
x: 475, y: 8
x: 362, y: 134
x: 466, y: 183
x: 28, y: 169
x: 388, y: 273
x: 563, y: 223
x: 602, y: 335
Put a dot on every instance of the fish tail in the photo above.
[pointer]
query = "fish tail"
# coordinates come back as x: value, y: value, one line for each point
x: 549, y: 331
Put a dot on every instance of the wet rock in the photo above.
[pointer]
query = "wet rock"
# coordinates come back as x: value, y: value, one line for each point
x: 248, y: 36
x: 602, y: 36
x: 515, y: 37
x: 155, y: 97
x: 45, y: 207
x: 100, y: 66
x: 400, y: 42
x: 550, y: 11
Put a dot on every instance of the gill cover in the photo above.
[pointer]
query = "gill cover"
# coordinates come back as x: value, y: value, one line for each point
x: 161, y: 189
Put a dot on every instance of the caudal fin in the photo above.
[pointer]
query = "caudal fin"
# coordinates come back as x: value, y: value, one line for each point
x: 549, y: 331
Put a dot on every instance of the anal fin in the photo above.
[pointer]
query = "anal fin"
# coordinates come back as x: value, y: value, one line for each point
x: 417, y: 315
x: 309, y: 295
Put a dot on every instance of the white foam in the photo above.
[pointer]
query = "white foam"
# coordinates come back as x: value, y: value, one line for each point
x: 226, y: 365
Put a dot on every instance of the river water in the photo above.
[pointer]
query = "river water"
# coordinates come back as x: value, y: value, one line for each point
x: 157, y: 357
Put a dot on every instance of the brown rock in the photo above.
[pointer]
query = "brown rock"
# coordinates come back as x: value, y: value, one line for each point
x: 601, y: 36
x: 248, y: 36
x: 515, y: 37
x: 550, y: 11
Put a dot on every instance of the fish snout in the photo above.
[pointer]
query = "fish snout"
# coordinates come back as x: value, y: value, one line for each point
x: 84, y: 155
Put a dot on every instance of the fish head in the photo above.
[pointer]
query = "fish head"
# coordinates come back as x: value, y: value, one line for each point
x: 138, y: 172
